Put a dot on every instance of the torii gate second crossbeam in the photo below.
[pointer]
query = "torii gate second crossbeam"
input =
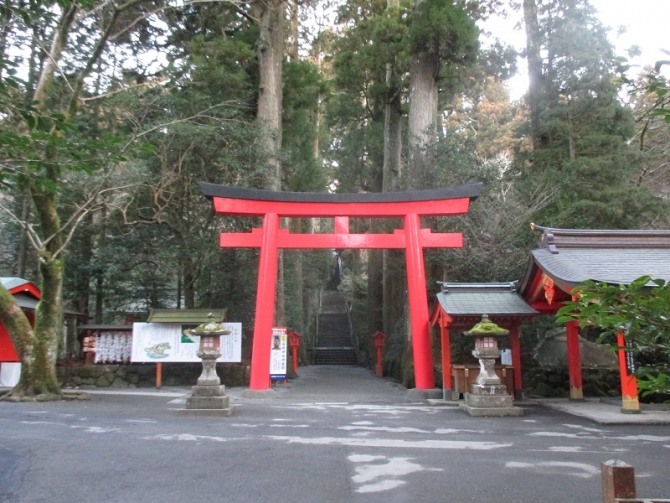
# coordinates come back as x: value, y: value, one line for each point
x: 411, y: 206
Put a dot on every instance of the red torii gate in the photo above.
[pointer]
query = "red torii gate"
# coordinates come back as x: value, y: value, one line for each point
x: 411, y: 206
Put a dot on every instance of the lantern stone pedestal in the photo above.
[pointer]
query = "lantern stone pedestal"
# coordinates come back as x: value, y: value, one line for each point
x: 208, y: 397
x: 488, y: 397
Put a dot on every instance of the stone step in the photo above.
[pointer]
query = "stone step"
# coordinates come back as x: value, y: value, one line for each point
x: 335, y: 356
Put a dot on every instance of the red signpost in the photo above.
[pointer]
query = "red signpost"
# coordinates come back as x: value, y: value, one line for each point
x: 410, y: 206
x: 294, y: 342
x: 379, y: 339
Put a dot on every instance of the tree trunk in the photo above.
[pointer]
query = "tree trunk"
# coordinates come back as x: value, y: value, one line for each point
x: 100, y: 270
x: 294, y: 51
x: 20, y: 332
x: 535, y: 91
x: 270, y: 52
x: 392, y: 128
x: 39, y: 353
x: 188, y: 283
x: 422, y: 119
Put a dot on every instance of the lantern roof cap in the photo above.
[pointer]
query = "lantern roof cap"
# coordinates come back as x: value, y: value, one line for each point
x: 486, y: 328
x: 210, y: 328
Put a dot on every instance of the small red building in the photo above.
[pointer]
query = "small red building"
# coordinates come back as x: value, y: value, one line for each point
x: 567, y: 257
x: 459, y: 307
x: 27, y: 296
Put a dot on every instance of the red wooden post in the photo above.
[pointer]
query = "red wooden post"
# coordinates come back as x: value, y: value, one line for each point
x: 379, y: 339
x: 265, y: 305
x: 294, y: 342
x: 574, y: 361
x: 418, y: 305
x: 446, y: 357
x: 159, y: 375
x: 516, y: 361
x: 629, y: 402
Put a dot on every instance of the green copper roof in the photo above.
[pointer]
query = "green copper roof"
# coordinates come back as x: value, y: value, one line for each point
x: 186, y: 315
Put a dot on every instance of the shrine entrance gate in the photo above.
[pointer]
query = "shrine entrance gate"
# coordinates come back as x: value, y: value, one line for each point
x: 410, y: 206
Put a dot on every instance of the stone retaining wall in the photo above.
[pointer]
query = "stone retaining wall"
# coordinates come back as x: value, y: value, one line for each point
x: 141, y: 375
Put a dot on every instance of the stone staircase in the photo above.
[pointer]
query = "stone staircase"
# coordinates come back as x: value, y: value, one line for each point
x: 334, y: 345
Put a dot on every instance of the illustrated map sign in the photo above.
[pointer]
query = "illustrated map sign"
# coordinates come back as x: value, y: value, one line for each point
x: 168, y: 342
x: 278, y: 354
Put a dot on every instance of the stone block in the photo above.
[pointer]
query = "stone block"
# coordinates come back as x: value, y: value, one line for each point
x: 207, y: 402
x: 227, y: 412
x: 618, y: 480
x: 489, y: 400
x: 219, y: 390
x: 488, y: 389
x: 491, y: 411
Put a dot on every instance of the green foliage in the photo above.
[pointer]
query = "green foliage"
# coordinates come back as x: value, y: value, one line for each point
x: 445, y: 29
x: 303, y: 88
x: 640, y: 311
x: 584, y: 153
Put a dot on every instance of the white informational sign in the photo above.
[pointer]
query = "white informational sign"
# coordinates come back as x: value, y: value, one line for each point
x: 278, y: 354
x: 167, y: 342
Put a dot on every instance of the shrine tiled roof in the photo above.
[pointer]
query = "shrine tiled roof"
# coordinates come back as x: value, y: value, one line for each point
x: 475, y: 299
x: 186, y: 315
x: 570, y: 256
x: 10, y: 283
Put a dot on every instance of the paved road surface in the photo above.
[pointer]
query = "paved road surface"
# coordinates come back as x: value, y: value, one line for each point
x: 335, y: 435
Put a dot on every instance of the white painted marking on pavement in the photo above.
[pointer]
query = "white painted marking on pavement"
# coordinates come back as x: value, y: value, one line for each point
x: 384, y: 485
x: 389, y: 470
x: 447, y: 431
x: 289, y: 426
x: 363, y: 423
x: 579, y: 427
x: 364, y: 458
x: 399, y: 429
x: 187, y: 437
x: 565, y: 448
x: 646, y: 438
x: 560, y: 434
x: 405, y: 444
x: 244, y: 425
x: 395, y: 467
x: 581, y: 470
x: 141, y: 421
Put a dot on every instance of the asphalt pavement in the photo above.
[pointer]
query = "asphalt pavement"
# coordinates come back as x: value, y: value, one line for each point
x: 335, y: 434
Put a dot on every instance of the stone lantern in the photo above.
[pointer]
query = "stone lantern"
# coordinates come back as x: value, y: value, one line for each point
x: 488, y: 397
x: 208, y: 397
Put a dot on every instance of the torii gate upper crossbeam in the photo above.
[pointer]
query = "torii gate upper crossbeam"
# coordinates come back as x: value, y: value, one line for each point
x: 408, y: 205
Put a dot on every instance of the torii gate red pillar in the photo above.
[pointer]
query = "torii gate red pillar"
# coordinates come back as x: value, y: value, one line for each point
x: 408, y: 205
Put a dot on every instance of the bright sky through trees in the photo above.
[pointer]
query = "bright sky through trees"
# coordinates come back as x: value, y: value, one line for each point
x: 640, y: 22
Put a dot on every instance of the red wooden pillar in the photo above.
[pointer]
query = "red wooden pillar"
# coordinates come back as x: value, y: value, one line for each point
x: 516, y: 361
x: 446, y: 357
x: 265, y: 304
x: 629, y: 402
x: 574, y: 361
x: 418, y: 305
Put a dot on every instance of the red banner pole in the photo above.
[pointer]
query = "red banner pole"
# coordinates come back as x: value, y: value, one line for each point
x: 446, y: 360
x: 629, y: 402
x: 516, y: 362
x: 574, y: 361
x: 418, y: 305
x: 265, y: 305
